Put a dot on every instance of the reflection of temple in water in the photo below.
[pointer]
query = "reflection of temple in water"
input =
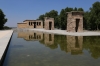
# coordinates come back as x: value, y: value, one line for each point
x: 30, y: 35
x: 49, y: 39
x: 74, y: 44
x: 71, y: 44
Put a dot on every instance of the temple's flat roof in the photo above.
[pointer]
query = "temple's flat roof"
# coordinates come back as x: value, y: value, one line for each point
x: 32, y: 20
x: 75, y: 11
x: 21, y: 23
x: 49, y: 18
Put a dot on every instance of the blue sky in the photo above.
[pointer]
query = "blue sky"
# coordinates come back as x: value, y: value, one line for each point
x: 19, y: 10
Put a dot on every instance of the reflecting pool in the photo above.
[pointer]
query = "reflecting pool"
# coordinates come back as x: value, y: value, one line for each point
x: 28, y: 48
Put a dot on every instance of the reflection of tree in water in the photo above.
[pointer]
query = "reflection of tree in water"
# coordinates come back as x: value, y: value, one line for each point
x: 53, y: 46
x: 58, y: 40
x: 72, y: 45
x: 93, y: 44
x: 48, y: 40
x: 61, y: 41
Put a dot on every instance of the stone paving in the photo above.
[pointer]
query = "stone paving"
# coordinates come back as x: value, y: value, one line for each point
x: 5, y: 36
x: 64, y: 32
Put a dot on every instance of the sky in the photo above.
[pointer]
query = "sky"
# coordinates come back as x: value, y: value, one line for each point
x: 17, y: 11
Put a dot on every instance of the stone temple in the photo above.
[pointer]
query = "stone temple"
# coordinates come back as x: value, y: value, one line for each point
x: 49, y: 23
x: 75, y: 21
x: 30, y: 24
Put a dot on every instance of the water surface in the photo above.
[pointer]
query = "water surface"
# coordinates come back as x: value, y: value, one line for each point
x: 43, y: 49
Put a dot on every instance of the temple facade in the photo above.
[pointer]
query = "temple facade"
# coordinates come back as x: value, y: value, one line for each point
x: 49, y: 23
x: 75, y: 21
x: 30, y: 24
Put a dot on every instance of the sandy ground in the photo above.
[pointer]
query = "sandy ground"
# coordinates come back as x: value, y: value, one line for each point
x: 64, y: 32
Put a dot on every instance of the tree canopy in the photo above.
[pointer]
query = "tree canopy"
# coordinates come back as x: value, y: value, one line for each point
x: 91, y: 18
x: 3, y: 20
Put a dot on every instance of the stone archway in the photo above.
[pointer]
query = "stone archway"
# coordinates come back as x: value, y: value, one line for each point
x: 75, y: 21
x: 77, y: 25
x: 49, y: 23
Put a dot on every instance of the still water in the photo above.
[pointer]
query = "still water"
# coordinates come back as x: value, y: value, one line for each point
x: 43, y: 49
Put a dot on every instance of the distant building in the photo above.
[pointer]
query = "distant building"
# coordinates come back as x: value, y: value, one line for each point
x: 49, y: 23
x: 75, y: 21
x: 30, y: 24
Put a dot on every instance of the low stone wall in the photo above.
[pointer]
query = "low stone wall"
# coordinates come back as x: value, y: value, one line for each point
x: 21, y: 25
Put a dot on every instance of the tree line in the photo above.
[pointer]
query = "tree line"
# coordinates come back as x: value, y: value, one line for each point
x: 91, y: 18
x: 3, y: 20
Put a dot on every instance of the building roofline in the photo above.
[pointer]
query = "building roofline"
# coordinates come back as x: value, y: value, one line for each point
x: 47, y: 17
x: 32, y: 20
x: 75, y: 11
x: 21, y: 23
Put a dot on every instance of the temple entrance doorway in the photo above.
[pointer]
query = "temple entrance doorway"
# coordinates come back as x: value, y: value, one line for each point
x: 77, y: 25
x: 50, y: 25
x: 34, y: 24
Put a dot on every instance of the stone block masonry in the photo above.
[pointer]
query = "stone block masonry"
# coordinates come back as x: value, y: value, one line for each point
x: 30, y: 24
x: 49, y: 23
x: 75, y: 21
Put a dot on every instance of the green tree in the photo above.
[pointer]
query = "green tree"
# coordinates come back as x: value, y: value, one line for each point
x: 62, y: 19
x: 95, y: 14
x: 92, y: 43
x: 86, y: 20
x: 47, y: 14
x: 75, y: 9
x: 41, y: 17
x: 80, y: 9
x: 57, y: 23
x: 53, y: 14
x: 6, y: 27
x: 3, y: 20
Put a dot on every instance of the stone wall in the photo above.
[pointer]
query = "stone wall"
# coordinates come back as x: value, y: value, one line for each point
x: 21, y: 25
x: 46, y: 23
x: 39, y: 23
x: 30, y: 24
x: 72, y: 25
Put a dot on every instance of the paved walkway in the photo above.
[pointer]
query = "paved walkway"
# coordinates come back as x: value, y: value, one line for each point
x: 5, y: 36
x: 64, y: 32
